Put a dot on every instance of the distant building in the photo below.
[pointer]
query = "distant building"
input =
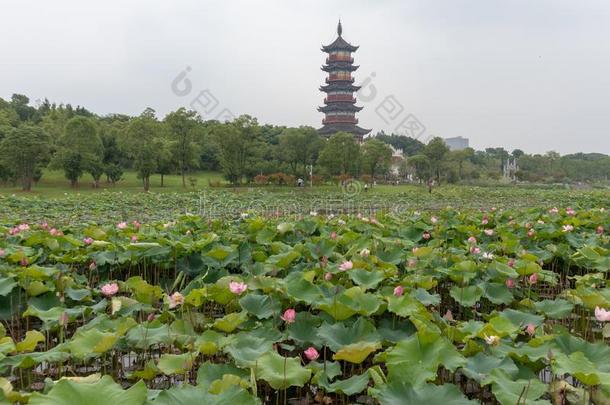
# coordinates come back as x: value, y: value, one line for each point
x: 398, y: 157
x: 340, y: 104
x: 456, y: 143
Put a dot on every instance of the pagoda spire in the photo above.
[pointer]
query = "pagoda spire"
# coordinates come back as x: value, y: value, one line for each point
x: 340, y: 103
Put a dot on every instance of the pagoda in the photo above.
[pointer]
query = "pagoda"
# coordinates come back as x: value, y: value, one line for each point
x: 340, y: 104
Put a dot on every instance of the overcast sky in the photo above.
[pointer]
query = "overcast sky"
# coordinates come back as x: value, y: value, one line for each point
x: 522, y: 74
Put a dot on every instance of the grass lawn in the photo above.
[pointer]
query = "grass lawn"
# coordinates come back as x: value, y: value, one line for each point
x: 54, y: 184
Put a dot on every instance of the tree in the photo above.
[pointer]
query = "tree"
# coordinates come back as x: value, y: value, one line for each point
x: 436, y: 150
x: 421, y: 164
x: 79, y: 149
x: 376, y: 156
x: 298, y: 147
x: 460, y: 156
x: 183, y: 129
x: 142, y: 141
x: 238, y: 147
x: 25, y: 150
x: 340, y: 154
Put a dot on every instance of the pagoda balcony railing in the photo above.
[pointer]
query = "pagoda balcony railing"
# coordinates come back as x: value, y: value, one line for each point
x: 332, y: 78
x: 339, y: 59
x: 340, y: 120
x: 342, y: 97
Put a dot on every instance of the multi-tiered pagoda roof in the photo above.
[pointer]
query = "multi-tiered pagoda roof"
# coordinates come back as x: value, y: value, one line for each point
x: 340, y: 103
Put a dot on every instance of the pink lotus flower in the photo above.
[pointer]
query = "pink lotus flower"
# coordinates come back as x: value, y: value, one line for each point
x: 570, y: 211
x: 398, y: 291
x: 599, y: 230
x: 311, y: 354
x: 448, y: 315
x: 88, y: 241
x: 134, y: 238
x: 136, y: 224
x: 237, y: 287
x: 530, y: 233
x: 602, y: 315
x: 533, y: 279
x: 365, y: 253
x: 92, y: 265
x: 489, y: 232
x: 530, y: 329
x: 528, y: 225
x: 510, y: 283
x: 511, y: 262
x: 411, y: 262
x: 24, y: 262
x: 122, y: 225
x: 175, y: 300
x: 472, y: 240
x: 414, y: 250
x: 485, y: 221
x: 553, y: 210
x: 2, y: 252
x: 44, y: 225
x: 426, y: 235
x: 475, y: 250
x: 23, y: 227
x: 328, y: 276
x: 54, y: 232
x: 434, y: 219
x: 110, y: 289
x: 324, y: 261
x: 333, y: 235
x: 289, y: 316
x: 150, y: 317
x: 493, y: 209
x: 567, y: 228
x: 348, y: 265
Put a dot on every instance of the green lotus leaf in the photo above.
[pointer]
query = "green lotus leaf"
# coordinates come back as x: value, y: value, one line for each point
x: 145, y: 335
x: 149, y: 372
x: 349, y: 386
x: 365, y: 278
x: 497, y: 293
x: 401, y: 392
x: 510, y: 391
x: 6, y: 285
x: 300, y: 289
x: 261, y: 306
x: 554, y: 309
x: 143, y: 291
x: 357, y: 352
x: 105, y: 391
x: 416, y: 360
x: 479, y: 366
x: 339, y: 334
x: 176, y: 363
x: 227, y: 381
x: 281, y: 372
x: 466, y: 296
x: 425, y: 297
x: 405, y: 306
x: 305, y: 329
x: 230, y: 322
x: 209, y: 342
x: 91, y: 343
x: 246, y: 349
x: 210, y: 372
x: 283, y: 260
x: 31, y: 340
x: 189, y: 395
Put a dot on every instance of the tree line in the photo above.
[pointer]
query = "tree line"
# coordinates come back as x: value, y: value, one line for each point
x: 79, y: 142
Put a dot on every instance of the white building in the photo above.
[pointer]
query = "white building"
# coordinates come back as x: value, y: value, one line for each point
x: 456, y: 143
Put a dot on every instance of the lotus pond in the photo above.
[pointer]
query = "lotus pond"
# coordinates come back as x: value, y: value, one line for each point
x: 494, y: 306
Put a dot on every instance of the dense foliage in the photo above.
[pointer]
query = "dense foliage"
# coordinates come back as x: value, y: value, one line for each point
x: 79, y: 142
x: 499, y: 305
